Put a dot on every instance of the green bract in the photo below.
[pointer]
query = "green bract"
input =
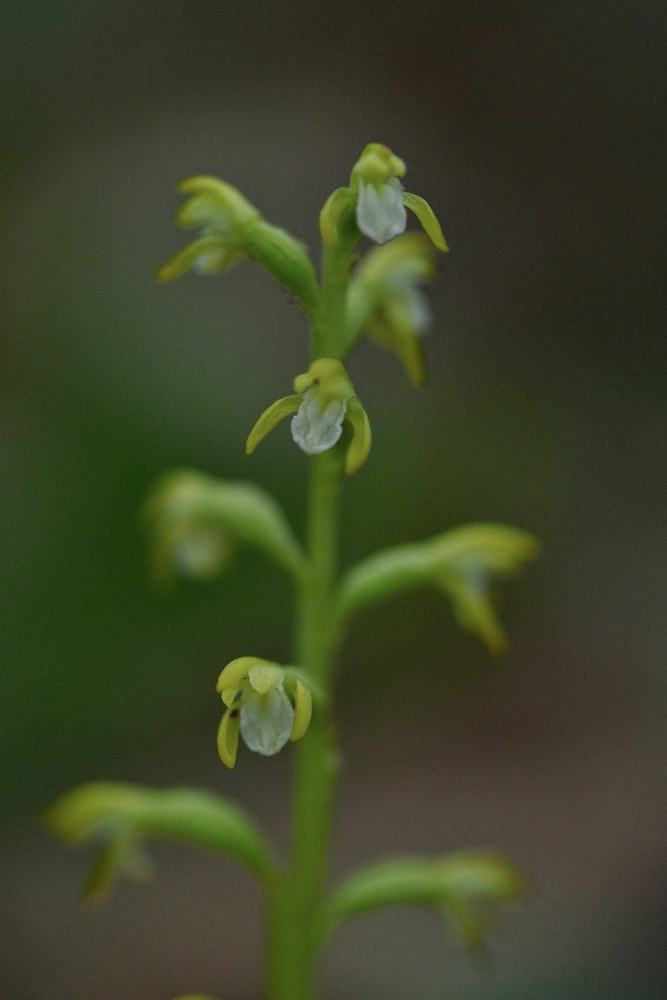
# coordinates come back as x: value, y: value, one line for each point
x: 233, y: 228
x: 467, y: 888
x: 462, y: 562
x: 196, y: 520
x: 121, y: 816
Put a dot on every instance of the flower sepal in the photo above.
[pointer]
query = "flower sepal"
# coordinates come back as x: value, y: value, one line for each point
x: 427, y: 218
x: 338, y: 225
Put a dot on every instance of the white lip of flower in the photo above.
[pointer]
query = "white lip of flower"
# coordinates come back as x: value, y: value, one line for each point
x: 317, y: 427
x: 409, y: 300
x: 199, y: 554
x: 381, y: 214
x: 266, y: 720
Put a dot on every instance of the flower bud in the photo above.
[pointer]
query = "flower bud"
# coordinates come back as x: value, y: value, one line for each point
x: 233, y: 228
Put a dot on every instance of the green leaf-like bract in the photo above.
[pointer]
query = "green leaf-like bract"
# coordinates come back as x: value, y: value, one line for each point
x: 286, y: 258
x: 465, y: 887
x: 123, y: 815
x: 461, y: 562
x: 185, y: 501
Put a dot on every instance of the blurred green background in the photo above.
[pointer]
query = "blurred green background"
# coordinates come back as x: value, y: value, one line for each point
x: 536, y: 131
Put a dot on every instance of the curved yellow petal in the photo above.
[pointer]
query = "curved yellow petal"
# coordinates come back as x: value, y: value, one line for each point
x: 303, y: 710
x: 235, y: 671
x: 360, y: 445
x: 426, y: 216
x: 282, y: 408
x: 228, y: 736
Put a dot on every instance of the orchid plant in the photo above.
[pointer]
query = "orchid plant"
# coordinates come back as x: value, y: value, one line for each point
x: 194, y: 520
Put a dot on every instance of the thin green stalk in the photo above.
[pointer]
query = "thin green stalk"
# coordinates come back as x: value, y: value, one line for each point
x: 295, y: 903
x: 296, y: 900
x: 328, y: 330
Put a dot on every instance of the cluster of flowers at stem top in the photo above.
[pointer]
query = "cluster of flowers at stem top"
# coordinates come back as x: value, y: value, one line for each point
x: 376, y: 294
x: 382, y: 299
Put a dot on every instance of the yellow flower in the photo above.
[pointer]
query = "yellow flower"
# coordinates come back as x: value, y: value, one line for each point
x: 386, y: 302
x: 374, y: 204
x: 259, y: 708
x: 324, y: 398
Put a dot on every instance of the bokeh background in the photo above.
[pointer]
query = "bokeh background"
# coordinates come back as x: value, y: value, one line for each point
x: 536, y: 132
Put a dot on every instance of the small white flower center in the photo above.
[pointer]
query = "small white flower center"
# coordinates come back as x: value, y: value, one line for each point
x: 200, y: 554
x: 315, y: 427
x: 266, y: 721
x: 381, y: 214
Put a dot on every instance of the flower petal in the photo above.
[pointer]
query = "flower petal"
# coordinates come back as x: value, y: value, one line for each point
x: 270, y: 418
x: 360, y: 445
x: 230, y: 679
x: 228, y: 737
x: 266, y: 721
x: 317, y: 428
x: 381, y: 213
x: 264, y: 676
x: 303, y: 710
x: 426, y: 216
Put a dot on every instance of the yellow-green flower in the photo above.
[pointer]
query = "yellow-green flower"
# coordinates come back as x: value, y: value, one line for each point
x: 375, y: 203
x: 267, y: 704
x: 232, y: 228
x: 380, y: 211
x: 324, y: 399
x: 386, y: 302
x: 223, y: 215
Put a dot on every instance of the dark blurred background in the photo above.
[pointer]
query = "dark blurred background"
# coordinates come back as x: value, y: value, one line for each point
x: 536, y: 131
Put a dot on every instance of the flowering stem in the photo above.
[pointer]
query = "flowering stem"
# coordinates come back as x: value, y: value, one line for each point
x: 296, y: 899
x: 328, y: 330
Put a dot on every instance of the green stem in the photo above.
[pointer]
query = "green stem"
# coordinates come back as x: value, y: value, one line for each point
x: 296, y: 899
x: 328, y: 330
